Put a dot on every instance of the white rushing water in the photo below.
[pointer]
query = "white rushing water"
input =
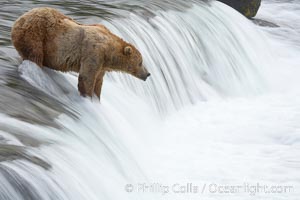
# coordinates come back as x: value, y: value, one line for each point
x: 222, y: 108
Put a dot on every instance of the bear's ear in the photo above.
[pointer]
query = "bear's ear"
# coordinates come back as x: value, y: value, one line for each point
x: 127, y: 50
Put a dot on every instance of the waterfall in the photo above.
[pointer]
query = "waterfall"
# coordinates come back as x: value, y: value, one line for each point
x: 196, y: 55
x: 200, y: 53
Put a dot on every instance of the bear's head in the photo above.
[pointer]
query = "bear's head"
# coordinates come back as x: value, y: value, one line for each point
x: 126, y: 58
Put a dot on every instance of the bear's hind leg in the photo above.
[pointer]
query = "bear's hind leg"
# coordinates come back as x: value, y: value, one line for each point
x: 36, y: 54
x: 29, y: 49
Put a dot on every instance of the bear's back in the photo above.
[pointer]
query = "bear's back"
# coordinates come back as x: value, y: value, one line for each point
x: 33, y: 29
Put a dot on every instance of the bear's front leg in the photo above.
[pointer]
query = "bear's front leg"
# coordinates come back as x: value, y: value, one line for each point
x: 85, y: 86
x: 87, y: 76
x: 99, y: 82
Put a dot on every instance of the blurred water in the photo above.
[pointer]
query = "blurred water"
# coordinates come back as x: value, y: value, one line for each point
x: 222, y: 106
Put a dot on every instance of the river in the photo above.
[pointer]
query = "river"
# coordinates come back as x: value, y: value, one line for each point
x: 218, y: 118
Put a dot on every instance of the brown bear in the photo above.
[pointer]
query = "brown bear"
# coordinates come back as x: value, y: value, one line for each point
x: 49, y: 38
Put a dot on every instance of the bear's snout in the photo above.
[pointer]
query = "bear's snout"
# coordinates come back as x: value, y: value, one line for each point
x: 145, y: 78
x: 142, y: 73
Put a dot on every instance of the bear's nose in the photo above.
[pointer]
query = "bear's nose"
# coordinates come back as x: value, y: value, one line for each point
x: 146, y: 76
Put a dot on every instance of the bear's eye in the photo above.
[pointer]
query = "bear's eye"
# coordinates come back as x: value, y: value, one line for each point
x: 141, y: 63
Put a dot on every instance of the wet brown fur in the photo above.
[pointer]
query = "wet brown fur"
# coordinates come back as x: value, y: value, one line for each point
x: 49, y: 38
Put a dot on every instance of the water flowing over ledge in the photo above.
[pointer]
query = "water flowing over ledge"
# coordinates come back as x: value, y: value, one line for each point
x: 203, y: 116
